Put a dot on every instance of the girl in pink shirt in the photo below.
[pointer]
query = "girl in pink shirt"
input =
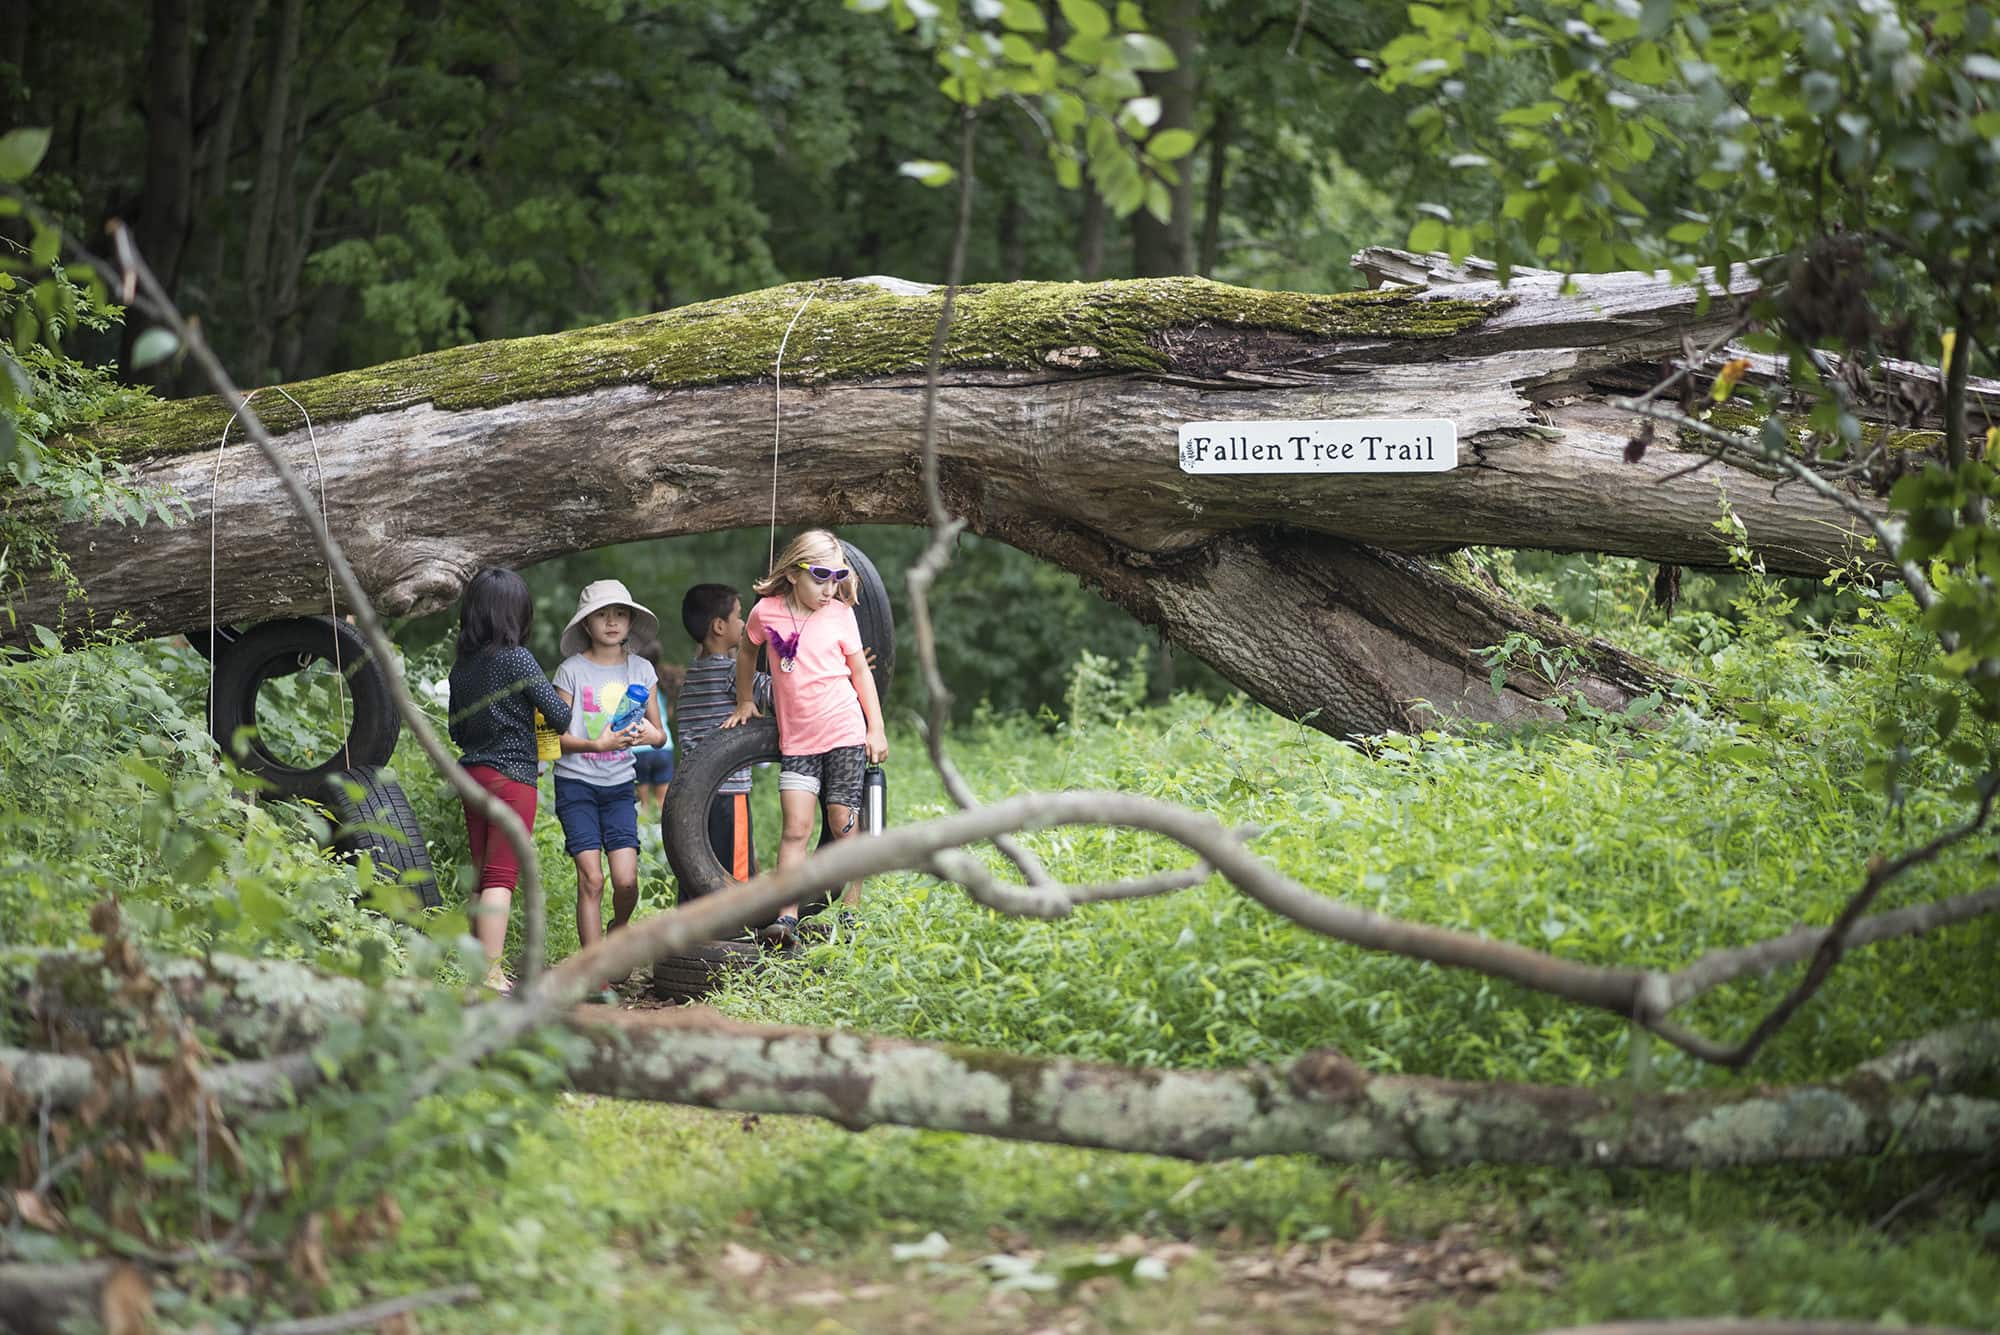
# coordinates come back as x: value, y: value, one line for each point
x: 829, y: 720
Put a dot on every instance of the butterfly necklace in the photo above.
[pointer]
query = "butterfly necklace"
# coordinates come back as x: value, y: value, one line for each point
x: 788, y: 645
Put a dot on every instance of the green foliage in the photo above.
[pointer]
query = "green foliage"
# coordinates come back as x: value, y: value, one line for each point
x: 1084, y: 95
x: 1847, y: 157
x: 1596, y: 839
x: 1751, y: 1271
x: 111, y: 788
x: 45, y: 479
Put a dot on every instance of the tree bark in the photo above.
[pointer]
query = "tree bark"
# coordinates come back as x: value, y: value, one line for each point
x: 1163, y: 247
x: 1319, y: 1103
x: 168, y: 198
x: 259, y: 238
x: 1220, y: 131
x: 1090, y: 236
x: 221, y: 143
x: 1060, y: 435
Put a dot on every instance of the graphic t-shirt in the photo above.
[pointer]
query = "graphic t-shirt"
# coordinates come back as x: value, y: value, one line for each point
x: 594, y: 690
x: 817, y: 707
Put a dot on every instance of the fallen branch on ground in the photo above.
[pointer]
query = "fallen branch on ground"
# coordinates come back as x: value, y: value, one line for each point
x: 1903, y: 1102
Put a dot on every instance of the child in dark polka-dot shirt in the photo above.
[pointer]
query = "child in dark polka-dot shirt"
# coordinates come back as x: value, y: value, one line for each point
x: 496, y: 689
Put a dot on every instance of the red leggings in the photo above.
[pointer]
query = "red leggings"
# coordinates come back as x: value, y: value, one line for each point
x: 492, y: 855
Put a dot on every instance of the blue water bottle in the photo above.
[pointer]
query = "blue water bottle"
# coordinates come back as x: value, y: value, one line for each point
x: 630, y: 709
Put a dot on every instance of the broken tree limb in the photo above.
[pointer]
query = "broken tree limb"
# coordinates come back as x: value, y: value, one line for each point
x: 46, y: 1079
x: 1319, y: 1104
x: 1059, y: 414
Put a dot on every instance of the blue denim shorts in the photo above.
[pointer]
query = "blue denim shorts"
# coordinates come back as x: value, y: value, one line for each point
x: 654, y: 767
x: 595, y: 817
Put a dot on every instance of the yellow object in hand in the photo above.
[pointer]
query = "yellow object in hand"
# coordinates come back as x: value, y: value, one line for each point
x: 548, y: 742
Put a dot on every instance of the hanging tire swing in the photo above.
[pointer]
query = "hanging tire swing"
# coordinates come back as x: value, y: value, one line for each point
x: 245, y: 662
x: 371, y: 813
x: 684, y: 819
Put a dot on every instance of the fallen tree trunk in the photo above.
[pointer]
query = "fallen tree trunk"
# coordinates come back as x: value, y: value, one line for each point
x: 1926, y: 1097
x: 1059, y: 414
x: 1320, y: 1103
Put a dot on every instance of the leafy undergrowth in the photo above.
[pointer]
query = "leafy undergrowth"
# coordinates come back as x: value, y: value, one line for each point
x: 630, y: 1217
x: 1732, y: 813
x: 1598, y: 840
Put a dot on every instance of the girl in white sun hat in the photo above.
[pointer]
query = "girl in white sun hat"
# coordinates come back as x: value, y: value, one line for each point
x: 596, y: 799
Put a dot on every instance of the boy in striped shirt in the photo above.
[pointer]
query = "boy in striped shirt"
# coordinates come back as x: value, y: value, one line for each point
x: 713, y: 617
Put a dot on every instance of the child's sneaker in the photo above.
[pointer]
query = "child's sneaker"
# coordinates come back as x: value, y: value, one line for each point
x: 783, y: 934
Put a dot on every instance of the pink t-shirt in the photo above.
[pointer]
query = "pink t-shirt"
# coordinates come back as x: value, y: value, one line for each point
x: 817, y: 707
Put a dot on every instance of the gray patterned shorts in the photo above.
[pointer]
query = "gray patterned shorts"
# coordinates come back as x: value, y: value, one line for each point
x: 834, y: 775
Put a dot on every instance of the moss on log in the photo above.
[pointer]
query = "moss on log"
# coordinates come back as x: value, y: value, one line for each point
x: 850, y: 329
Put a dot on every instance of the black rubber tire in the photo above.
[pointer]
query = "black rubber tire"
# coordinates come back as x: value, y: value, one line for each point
x: 875, y: 618
x: 684, y: 818
x: 692, y: 976
x: 371, y: 815
x: 276, y: 648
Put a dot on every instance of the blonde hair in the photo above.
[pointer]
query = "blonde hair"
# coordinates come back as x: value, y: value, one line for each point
x: 801, y: 550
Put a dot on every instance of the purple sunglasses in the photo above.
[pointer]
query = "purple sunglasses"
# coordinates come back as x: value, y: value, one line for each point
x: 825, y: 574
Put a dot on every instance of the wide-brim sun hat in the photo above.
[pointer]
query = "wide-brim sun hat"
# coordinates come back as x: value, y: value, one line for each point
x: 603, y: 593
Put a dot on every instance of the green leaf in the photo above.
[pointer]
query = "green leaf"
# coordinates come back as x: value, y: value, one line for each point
x: 1171, y: 145
x: 21, y: 152
x: 1537, y: 113
x: 15, y: 383
x: 46, y: 245
x: 1143, y: 51
x: 1023, y: 16
x: 1160, y: 202
x: 1086, y: 18
x: 1644, y: 705
x: 1427, y: 235
x: 156, y: 344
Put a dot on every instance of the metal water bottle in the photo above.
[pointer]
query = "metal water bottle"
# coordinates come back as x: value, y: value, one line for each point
x: 874, y: 800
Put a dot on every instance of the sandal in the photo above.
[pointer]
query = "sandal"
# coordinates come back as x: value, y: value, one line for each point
x: 781, y: 933
x: 496, y: 980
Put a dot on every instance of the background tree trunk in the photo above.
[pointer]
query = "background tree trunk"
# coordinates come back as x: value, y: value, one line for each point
x: 1163, y: 248
x: 265, y: 202
x: 1217, y: 193
x: 167, y: 200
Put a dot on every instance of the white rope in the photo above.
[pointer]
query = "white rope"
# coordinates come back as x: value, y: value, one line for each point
x: 332, y: 609
x: 778, y: 419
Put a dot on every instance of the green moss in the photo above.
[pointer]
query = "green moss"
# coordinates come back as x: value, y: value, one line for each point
x: 849, y: 329
x: 1734, y: 416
